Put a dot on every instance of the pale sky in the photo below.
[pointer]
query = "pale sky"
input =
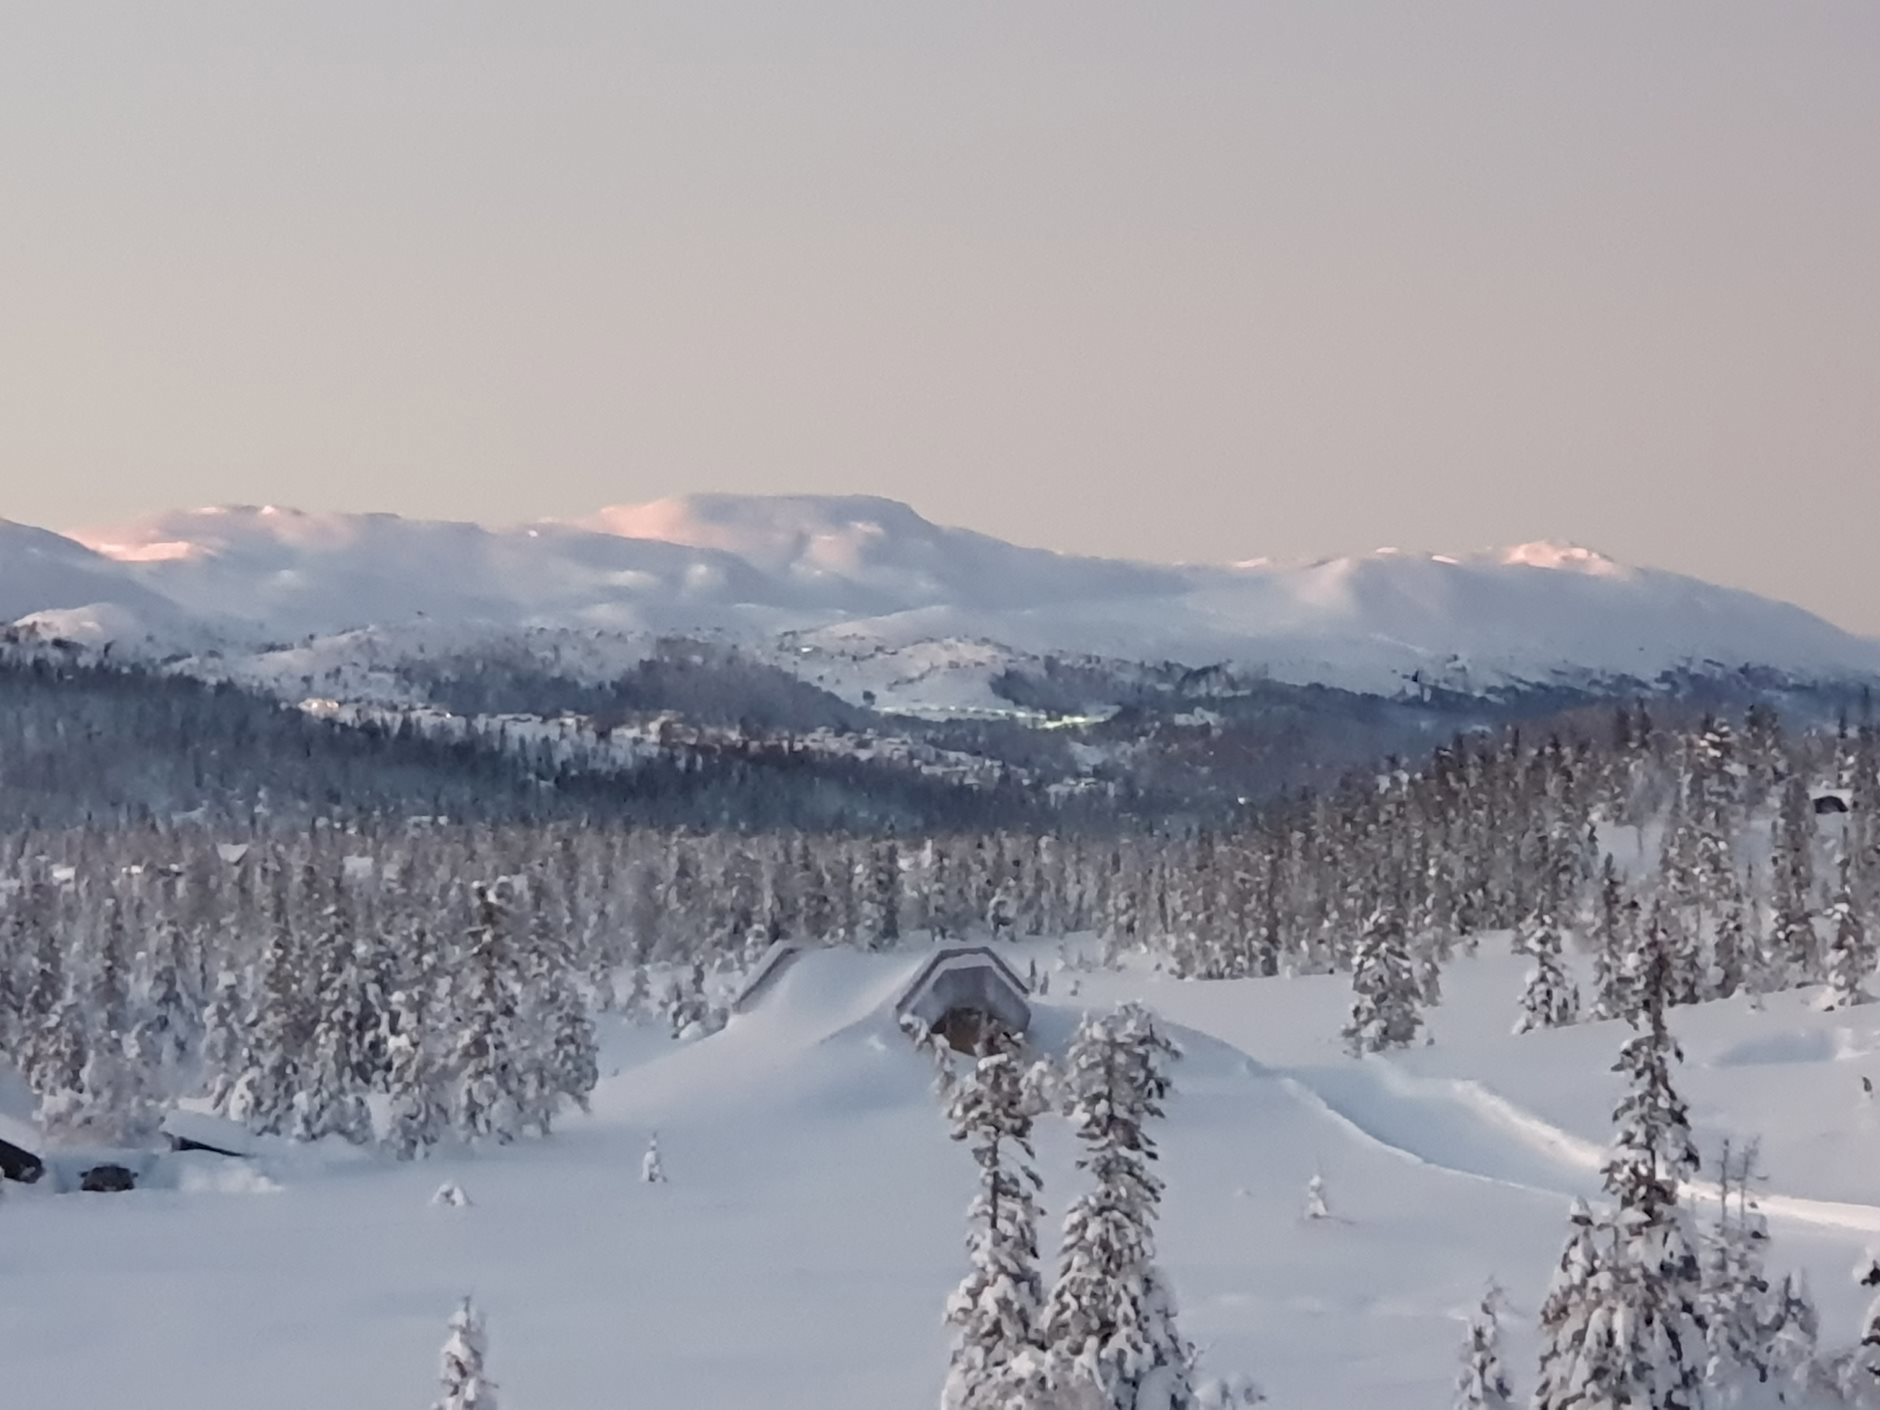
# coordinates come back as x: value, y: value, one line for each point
x: 1203, y: 280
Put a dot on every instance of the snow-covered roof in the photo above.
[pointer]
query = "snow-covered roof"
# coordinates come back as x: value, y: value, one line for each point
x: 778, y: 958
x: 966, y: 976
x: 201, y: 1128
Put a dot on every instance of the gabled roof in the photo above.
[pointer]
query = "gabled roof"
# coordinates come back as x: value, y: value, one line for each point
x: 779, y: 957
x: 966, y: 976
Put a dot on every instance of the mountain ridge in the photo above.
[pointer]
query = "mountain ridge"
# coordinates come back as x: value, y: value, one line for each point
x: 858, y: 572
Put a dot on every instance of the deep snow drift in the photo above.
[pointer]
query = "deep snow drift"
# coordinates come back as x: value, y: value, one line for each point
x: 803, y: 1249
x: 852, y: 575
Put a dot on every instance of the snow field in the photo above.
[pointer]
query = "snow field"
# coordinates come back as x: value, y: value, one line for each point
x: 811, y: 1231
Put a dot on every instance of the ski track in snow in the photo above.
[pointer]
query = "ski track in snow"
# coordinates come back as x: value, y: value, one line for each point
x: 1461, y: 1126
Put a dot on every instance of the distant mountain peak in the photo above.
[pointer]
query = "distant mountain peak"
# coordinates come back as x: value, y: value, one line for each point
x: 1560, y: 556
x: 736, y: 522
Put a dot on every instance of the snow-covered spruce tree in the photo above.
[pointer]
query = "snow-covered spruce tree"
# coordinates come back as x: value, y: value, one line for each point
x: 1109, y: 1323
x: 168, y: 1024
x: 878, y: 885
x: 331, y: 1100
x: 995, y: 1310
x: 419, y: 1106
x: 638, y: 1003
x: 1736, y: 1298
x: 652, y: 1167
x: 117, y: 1102
x: 574, y: 1052
x: 1001, y: 912
x: 1614, y: 935
x: 1384, y: 1010
x: 1732, y: 963
x: 224, y: 1039
x: 1429, y: 952
x: 278, y: 1033
x: 688, y: 1011
x: 466, y: 1384
x: 1684, y: 944
x: 935, y: 1049
x: 1551, y: 999
x: 1850, y: 956
x: 1318, y: 1203
x: 487, y: 1103
x: 1860, y: 1368
x: 1796, y: 948
x: 49, y: 1053
x: 1236, y: 1392
x: 556, y: 1056
x: 1482, y: 1383
x: 1568, y: 1308
x: 1646, y: 1309
x: 58, y: 1063
x: 1792, y: 1332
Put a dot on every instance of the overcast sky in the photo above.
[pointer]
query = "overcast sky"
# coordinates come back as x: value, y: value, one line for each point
x: 1206, y: 280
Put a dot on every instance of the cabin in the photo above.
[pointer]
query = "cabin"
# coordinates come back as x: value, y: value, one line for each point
x: 963, y: 993
x: 1832, y: 802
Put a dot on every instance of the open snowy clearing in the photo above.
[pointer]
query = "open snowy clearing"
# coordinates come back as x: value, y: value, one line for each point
x: 803, y: 1250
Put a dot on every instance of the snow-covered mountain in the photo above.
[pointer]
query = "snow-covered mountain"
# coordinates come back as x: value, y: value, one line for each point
x: 860, y: 577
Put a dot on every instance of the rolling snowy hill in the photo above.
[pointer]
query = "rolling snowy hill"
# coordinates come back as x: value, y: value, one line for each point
x: 852, y: 578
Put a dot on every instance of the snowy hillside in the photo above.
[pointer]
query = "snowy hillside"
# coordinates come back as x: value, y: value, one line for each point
x: 851, y: 577
x: 803, y: 1249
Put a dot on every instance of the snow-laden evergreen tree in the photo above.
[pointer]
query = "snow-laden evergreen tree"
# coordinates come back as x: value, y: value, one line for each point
x: 1236, y: 1392
x: 1860, y: 1370
x: 1109, y: 1323
x: 1615, y: 934
x: 1645, y: 1326
x: 1428, y: 954
x: 58, y: 1062
x: 1567, y: 1311
x: 418, y: 1109
x: 574, y: 1052
x: 1796, y: 948
x: 168, y: 1023
x: 263, y: 1094
x: 488, y: 1102
x: 1679, y: 925
x: 688, y: 1011
x: 638, y: 1003
x: 1318, y: 1203
x: 878, y: 885
x: 1482, y: 1383
x: 450, y: 1195
x: 1732, y: 962
x: 116, y: 1097
x: 1850, y: 956
x: 224, y: 1039
x: 994, y: 1313
x: 1736, y: 1297
x: 466, y: 1383
x: 1551, y: 999
x: 331, y: 1099
x: 1792, y: 1334
x: 1384, y: 1011
x: 652, y: 1167
x: 555, y: 1054
x: 1001, y: 912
